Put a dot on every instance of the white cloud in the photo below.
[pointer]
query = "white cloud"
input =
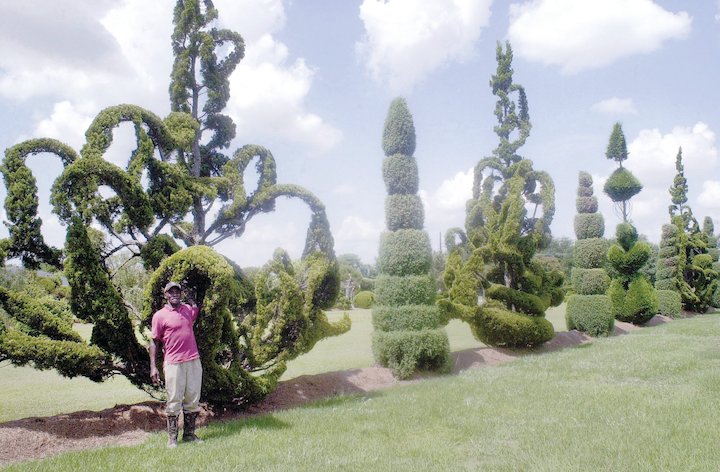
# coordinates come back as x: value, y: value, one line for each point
x: 615, y: 106
x: 445, y: 207
x: 710, y: 195
x: 67, y: 123
x: 359, y: 236
x: 578, y: 36
x: 406, y: 40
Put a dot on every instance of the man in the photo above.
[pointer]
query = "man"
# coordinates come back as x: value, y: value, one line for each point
x: 172, y: 332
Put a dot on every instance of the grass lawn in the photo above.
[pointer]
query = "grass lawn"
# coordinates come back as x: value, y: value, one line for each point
x: 26, y: 392
x: 645, y: 401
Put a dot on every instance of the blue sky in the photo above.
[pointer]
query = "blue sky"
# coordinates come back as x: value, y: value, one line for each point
x: 319, y: 75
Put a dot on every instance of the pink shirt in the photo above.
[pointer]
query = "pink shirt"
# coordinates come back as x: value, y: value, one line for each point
x: 174, y: 327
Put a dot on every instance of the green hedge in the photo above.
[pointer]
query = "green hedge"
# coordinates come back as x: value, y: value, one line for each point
x: 636, y: 305
x: 364, y: 299
x: 405, y: 352
x: 496, y: 326
x: 589, y: 281
x: 407, y: 318
x: 669, y: 303
x: 591, y: 314
x: 404, y: 252
x: 590, y: 253
x: 396, y: 290
x: 400, y: 173
x: 589, y: 225
x: 404, y: 212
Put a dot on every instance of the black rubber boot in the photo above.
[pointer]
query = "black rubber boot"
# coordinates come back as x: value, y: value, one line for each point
x: 189, y: 427
x: 172, y: 429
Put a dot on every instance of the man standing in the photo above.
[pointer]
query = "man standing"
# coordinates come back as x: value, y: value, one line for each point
x: 172, y: 332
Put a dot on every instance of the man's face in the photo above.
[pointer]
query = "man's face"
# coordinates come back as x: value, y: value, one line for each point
x: 173, y: 296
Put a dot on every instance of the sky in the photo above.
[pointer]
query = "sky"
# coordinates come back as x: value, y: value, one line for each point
x: 319, y: 75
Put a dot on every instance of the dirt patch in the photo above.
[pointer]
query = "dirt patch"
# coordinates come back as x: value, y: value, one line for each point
x: 32, y: 438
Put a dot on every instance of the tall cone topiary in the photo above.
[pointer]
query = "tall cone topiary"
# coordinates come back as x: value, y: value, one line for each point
x: 408, y: 332
x: 588, y: 309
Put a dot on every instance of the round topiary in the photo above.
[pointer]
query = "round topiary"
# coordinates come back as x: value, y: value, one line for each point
x: 404, y: 252
x: 404, y: 212
x: 622, y: 185
x: 364, y: 299
x: 626, y: 235
x: 587, y: 204
x: 589, y: 225
x: 405, y: 352
x: 400, y: 174
x: 590, y: 253
x: 589, y: 281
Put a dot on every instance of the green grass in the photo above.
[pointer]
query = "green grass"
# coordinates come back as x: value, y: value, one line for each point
x: 645, y: 401
x: 26, y: 392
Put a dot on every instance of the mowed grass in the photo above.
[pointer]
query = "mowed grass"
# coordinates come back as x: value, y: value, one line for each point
x: 645, y: 401
x: 26, y: 392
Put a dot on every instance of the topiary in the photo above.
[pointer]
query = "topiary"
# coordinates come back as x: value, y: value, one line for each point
x: 591, y: 314
x: 669, y: 303
x: 364, y: 299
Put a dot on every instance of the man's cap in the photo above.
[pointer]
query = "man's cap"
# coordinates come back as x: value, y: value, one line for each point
x: 171, y: 285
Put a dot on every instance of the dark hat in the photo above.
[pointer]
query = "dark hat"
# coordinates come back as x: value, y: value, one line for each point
x: 171, y: 285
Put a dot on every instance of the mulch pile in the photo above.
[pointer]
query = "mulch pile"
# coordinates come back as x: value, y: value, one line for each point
x: 32, y: 438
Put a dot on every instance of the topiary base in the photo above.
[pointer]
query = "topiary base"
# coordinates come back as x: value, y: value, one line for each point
x: 591, y: 314
x: 406, y: 352
x: 497, y: 326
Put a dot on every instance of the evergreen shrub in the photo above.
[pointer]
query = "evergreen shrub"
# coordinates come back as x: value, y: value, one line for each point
x: 587, y: 204
x: 400, y: 173
x: 666, y: 284
x: 589, y: 225
x: 630, y: 261
x: 497, y: 326
x: 622, y: 185
x: 589, y: 281
x: 407, y: 318
x: 404, y: 252
x: 404, y: 212
x: 669, y: 303
x: 396, y: 290
x: 637, y: 305
x: 364, y: 299
x: 591, y: 314
x: 404, y: 352
x: 590, y: 253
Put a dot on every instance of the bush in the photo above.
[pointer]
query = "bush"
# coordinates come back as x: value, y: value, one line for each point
x: 404, y: 212
x: 405, y: 352
x: 526, y: 303
x: 666, y: 284
x: 589, y: 281
x: 496, y: 326
x: 407, y: 318
x: 589, y: 225
x: 669, y: 303
x: 636, y: 305
x: 586, y: 204
x: 622, y: 185
x: 342, y: 303
x: 364, y: 299
x: 591, y: 314
x: 396, y: 290
x: 590, y: 253
x: 629, y: 262
x: 404, y: 252
x: 400, y: 173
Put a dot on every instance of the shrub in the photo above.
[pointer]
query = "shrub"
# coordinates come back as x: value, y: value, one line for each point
x: 590, y: 253
x: 586, y: 204
x: 591, y: 314
x: 589, y: 281
x: 396, y: 290
x: 626, y: 235
x: 636, y: 305
x: 589, y: 225
x: 404, y: 212
x: 404, y: 352
x: 669, y: 303
x: 407, y: 318
x: 526, y: 303
x: 342, y: 303
x: 400, y: 173
x: 622, y: 185
x: 364, y: 299
x: 629, y: 262
x: 496, y: 326
x: 404, y: 252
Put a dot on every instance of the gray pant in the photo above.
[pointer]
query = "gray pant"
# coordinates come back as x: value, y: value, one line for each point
x: 183, y: 382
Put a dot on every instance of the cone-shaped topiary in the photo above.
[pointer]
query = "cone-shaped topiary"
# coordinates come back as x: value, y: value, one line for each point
x: 408, y: 332
x: 588, y: 309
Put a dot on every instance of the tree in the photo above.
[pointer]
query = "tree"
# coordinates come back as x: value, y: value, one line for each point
x: 248, y: 331
x: 408, y: 332
x: 588, y: 309
x: 622, y: 185
x: 494, y: 263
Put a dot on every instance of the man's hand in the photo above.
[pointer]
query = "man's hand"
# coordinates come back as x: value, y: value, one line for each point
x: 154, y: 375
